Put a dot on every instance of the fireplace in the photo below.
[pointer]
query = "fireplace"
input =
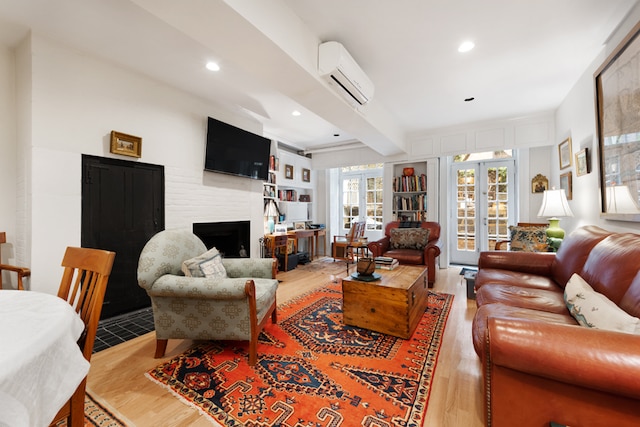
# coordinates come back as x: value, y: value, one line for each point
x: 232, y: 239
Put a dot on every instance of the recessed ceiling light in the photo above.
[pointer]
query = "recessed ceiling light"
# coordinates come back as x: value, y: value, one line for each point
x: 213, y: 66
x: 466, y: 46
x: 295, y: 113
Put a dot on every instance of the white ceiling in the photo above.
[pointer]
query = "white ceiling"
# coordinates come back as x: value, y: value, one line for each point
x: 527, y: 57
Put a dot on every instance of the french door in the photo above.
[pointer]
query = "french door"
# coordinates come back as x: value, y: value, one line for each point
x: 482, y: 206
x: 362, y: 201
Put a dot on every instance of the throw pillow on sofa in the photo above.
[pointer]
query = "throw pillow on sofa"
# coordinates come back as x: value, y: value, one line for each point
x: 594, y: 310
x: 408, y: 238
x: 528, y: 239
x: 209, y: 264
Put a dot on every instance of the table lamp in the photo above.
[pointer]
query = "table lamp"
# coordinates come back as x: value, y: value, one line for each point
x: 619, y: 200
x: 271, y: 211
x: 554, y: 206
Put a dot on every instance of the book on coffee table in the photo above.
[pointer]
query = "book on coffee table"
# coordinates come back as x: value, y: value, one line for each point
x: 386, y: 263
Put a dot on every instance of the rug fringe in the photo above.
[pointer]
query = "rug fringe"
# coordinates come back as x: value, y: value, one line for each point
x: 183, y: 400
x: 108, y: 408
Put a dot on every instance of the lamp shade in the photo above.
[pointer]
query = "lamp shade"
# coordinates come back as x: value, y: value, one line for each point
x: 270, y: 208
x: 554, y: 205
x: 619, y: 200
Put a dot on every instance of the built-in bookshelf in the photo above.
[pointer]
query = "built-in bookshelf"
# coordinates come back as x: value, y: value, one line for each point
x: 295, y: 187
x: 410, y: 196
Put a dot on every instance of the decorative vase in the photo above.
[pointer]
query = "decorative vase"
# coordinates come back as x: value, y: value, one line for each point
x: 407, y: 171
x: 366, y: 266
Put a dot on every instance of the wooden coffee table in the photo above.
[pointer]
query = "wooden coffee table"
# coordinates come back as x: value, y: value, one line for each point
x: 393, y: 304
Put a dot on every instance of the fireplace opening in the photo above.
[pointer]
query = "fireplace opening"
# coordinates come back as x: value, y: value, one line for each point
x: 231, y: 239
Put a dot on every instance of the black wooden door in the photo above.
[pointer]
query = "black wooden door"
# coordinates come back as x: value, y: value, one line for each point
x: 122, y: 208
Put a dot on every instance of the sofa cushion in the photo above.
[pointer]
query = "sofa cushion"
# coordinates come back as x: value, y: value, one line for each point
x: 594, y: 310
x: 551, y: 301
x: 493, y: 276
x: 409, y: 238
x: 479, y: 328
x: 528, y: 238
x: 406, y: 256
x: 209, y: 264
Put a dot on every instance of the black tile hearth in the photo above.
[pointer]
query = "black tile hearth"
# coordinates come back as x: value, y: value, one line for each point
x: 116, y: 330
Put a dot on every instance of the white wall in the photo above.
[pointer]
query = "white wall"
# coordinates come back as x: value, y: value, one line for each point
x: 76, y: 101
x: 8, y: 155
x: 576, y: 117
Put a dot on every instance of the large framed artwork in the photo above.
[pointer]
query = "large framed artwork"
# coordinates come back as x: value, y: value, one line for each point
x: 617, y: 84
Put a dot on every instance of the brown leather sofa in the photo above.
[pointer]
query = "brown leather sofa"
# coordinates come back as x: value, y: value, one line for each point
x: 426, y: 257
x: 539, y: 364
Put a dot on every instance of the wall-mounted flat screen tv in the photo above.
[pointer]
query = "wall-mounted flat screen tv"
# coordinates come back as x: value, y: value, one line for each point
x: 236, y: 151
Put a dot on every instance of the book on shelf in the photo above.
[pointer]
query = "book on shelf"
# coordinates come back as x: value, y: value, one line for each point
x: 410, y: 183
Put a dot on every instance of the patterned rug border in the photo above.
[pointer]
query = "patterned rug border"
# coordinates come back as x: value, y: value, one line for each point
x: 99, y: 413
x: 435, y: 348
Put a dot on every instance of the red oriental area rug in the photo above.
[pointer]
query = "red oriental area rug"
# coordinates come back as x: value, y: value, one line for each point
x: 313, y: 370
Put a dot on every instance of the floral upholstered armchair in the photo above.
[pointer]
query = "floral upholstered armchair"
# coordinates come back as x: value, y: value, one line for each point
x: 217, y: 299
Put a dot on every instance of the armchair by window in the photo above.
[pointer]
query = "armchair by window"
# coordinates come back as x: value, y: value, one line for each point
x: 235, y: 307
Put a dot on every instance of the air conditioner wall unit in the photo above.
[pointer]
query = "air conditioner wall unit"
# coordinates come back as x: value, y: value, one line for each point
x: 339, y: 68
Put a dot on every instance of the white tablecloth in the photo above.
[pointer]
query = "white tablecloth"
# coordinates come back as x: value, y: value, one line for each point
x: 41, y: 364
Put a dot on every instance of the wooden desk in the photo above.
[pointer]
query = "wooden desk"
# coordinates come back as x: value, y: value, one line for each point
x: 304, y: 234
x: 279, y: 241
x: 318, y: 232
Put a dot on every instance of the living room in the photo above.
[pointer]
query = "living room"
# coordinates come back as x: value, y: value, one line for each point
x: 68, y: 101
x: 63, y: 102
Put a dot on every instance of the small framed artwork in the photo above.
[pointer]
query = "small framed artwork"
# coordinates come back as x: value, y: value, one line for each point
x: 306, y: 175
x: 582, y: 162
x: 127, y: 145
x: 566, y: 185
x: 539, y: 184
x: 288, y: 171
x: 299, y: 225
x: 564, y: 152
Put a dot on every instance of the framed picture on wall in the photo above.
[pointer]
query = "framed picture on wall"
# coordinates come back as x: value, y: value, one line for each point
x: 288, y: 171
x: 567, y: 185
x: 306, y: 175
x: 582, y: 162
x: 127, y: 145
x: 539, y: 184
x: 617, y: 85
x: 564, y: 152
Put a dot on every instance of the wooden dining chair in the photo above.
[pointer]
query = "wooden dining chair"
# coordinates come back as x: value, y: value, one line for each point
x: 342, y: 244
x: 84, y: 282
x: 22, y: 272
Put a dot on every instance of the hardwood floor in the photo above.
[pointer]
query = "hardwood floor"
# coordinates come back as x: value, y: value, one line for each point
x: 117, y: 373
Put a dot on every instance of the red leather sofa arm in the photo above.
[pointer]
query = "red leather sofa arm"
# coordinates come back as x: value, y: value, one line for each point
x: 539, y: 263
x: 379, y: 247
x: 586, y: 357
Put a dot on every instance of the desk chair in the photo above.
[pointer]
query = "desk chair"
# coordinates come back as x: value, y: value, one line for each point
x: 83, y: 284
x: 22, y: 272
x: 347, y: 243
